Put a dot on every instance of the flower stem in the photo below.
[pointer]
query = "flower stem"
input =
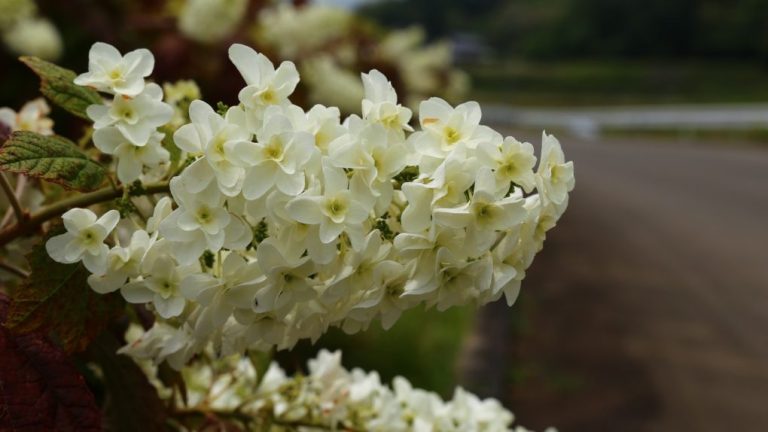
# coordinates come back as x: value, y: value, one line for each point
x: 10, y: 268
x: 31, y: 224
x: 13, y: 199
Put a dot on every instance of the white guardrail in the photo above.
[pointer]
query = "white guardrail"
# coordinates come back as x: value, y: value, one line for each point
x: 591, y: 120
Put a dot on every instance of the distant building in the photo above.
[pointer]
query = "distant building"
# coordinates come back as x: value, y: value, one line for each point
x: 469, y: 48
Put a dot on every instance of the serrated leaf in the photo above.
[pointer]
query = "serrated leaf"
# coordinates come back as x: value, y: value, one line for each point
x: 132, y: 403
x: 57, y: 84
x: 40, y: 388
x: 51, y: 158
x: 57, y: 300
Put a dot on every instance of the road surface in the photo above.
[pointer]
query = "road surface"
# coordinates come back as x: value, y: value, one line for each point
x: 648, y: 308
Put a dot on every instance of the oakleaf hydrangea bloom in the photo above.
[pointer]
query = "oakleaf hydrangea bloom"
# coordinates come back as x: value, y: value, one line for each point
x: 284, y: 222
x: 84, y: 239
x: 328, y: 397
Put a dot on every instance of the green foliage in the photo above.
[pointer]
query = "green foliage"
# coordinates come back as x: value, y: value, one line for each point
x: 51, y: 158
x: 57, y: 300
x: 56, y: 83
x: 423, y: 345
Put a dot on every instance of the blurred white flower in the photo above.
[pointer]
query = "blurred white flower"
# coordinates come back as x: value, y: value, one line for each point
x: 210, y: 21
x: 33, y: 117
x: 35, y: 37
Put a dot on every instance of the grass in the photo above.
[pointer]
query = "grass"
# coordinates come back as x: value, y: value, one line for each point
x: 617, y: 83
x: 422, y: 346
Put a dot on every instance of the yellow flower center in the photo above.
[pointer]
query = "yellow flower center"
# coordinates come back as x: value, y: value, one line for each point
x: 204, y: 216
x: 274, y: 150
x: 451, y: 135
x: 269, y: 97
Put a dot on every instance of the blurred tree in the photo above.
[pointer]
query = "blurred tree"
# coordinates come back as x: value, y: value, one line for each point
x: 595, y: 28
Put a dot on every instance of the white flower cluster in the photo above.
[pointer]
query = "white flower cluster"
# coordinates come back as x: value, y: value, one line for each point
x: 287, y: 222
x: 126, y: 127
x: 330, y: 397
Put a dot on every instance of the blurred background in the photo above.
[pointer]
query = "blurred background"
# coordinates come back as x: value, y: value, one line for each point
x: 648, y: 308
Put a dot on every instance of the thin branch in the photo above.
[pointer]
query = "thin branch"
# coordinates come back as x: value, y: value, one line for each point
x: 21, y: 183
x: 10, y: 268
x: 102, y: 195
x: 11, y: 194
x: 245, y: 418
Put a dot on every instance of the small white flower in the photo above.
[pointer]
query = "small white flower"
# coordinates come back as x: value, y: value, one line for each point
x: 511, y: 161
x: 488, y: 212
x: 287, y: 278
x: 265, y: 85
x: 110, y: 72
x: 136, y: 118
x: 445, y: 128
x: 340, y: 208
x: 234, y: 287
x: 202, y: 222
x: 122, y: 263
x: 213, y: 137
x: 161, y: 286
x: 131, y: 158
x: 84, y: 239
x: 380, y: 104
x: 278, y: 157
x: 554, y: 177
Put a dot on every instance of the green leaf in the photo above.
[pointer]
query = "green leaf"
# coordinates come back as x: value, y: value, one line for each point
x: 57, y: 84
x: 51, y: 158
x: 56, y: 299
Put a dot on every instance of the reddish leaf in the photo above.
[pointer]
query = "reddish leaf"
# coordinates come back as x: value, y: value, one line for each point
x: 56, y: 299
x: 132, y: 403
x: 40, y: 389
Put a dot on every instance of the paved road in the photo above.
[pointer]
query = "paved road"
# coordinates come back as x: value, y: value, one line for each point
x: 648, y: 308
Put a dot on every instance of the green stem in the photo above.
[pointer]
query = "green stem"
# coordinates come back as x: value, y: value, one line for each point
x: 12, y: 198
x: 37, y: 219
